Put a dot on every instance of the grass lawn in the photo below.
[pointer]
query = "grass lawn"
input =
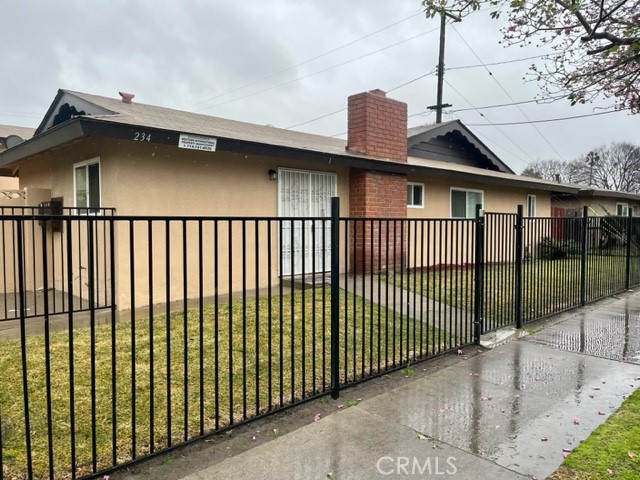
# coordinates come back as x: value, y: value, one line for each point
x: 548, y: 286
x: 189, y: 375
x: 611, y: 451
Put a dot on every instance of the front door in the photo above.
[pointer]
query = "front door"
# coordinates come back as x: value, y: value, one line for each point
x: 304, y: 194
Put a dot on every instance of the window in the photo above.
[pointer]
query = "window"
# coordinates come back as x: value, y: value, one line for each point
x: 622, y: 209
x: 531, y: 205
x: 463, y: 202
x: 86, y: 185
x: 415, y: 195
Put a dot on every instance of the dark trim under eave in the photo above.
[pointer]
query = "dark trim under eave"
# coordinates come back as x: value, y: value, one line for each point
x: 589, y: 192
x: 90, y: 127
x: 54, y: 137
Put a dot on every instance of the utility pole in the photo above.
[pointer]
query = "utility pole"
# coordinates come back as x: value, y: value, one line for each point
x: 592, y: 158
x: 439, y: 106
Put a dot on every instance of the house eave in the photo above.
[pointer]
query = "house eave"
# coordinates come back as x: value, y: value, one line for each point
x: 590, y: 192
x: 54, y: 137
x: 83, y: 127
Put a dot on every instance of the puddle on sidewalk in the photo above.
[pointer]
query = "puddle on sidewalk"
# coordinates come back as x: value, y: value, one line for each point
x: 611, y: 332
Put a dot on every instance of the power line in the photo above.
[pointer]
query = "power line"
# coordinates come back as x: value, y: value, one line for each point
x: 522, y: 102
x: 421, y: 114
x: 297, y: 79
x: 316, y: 119
x: 493, y: 64
x: 547, y: 120
x: 344, y: 108
x: 491, y: 123
x: 411, y: 81
x: 321, y: 55
x: 506, y: 93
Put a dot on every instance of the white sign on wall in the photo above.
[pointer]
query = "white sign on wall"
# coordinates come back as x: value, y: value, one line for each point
x: 197, y: 142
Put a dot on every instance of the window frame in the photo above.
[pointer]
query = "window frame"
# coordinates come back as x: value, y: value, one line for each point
x: 625, y: 206
x: 465, y: 190
x: 416, y: 184
x: 87, y: 209
x: 532, y: 201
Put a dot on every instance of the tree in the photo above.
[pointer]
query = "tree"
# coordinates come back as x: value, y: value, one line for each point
x: 595, y: 43
x: 612, y: 167
x: 552, y: 170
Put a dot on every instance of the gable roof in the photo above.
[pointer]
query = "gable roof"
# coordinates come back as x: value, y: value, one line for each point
x: 453, y: 142
x: 74, y: 115
x: 117, y: 112
x: 18, y: 134
x: 24, y: 132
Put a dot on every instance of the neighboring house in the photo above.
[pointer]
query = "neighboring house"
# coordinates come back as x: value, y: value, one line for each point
x: 11, y: 135
x: 599, y: 202
x: 91, y: 152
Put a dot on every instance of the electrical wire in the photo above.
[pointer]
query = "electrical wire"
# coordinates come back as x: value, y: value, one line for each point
x: 344, y: 108
x: 547, y: 120
x: 316, y: 119
x: 515, y: 60
x: 305, y: 62
x: 297, y: 79
x: 491, y: 123
x: 506, y: 93
x: 500, y: 105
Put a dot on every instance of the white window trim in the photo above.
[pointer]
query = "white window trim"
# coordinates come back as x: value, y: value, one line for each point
x: 535, y: 205
x: 84, y: 164
x: 461, y: 189
x: 411, y: 184
x: 625, y: 206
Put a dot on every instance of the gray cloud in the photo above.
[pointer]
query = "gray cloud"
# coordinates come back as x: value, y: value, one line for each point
x: 197, y: 54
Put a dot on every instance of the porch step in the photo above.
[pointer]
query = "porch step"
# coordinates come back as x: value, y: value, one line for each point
x: 498, y: 337
x: 306, y: 281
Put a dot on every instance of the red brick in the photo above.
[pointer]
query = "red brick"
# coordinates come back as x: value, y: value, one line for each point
x: 377, y: 126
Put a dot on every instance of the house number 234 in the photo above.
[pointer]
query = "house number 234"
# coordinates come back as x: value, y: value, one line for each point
x: 142, y: 137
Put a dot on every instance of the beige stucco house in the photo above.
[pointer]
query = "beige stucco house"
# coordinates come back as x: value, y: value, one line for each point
x: 91, y: 152
x: 148, y: 160
x: 599, y: 203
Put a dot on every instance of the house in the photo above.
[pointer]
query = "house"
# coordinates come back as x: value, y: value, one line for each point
x: 599, y: 202
x: 11, y: 135
x: 91, y: 152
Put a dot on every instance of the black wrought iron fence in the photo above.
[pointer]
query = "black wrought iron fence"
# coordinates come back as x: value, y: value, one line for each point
x: 180, y: 327
x: 44, y: 249
x: 209, y: 322
x: 539, y: 266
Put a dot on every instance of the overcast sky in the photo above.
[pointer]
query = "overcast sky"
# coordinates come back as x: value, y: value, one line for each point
x: 286, y: 62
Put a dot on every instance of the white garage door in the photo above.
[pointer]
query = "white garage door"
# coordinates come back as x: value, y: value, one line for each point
x: 305, y: 194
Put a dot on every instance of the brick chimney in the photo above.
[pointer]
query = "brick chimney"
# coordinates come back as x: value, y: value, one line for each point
x: 377, y: 126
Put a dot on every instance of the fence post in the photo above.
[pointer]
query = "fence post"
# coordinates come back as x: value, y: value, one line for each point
x: 478, y: 277
x: 335, y: 297
x: 627, y: 272
x: 518, y: 267
x: 583, y: 256
x: 23, y: 339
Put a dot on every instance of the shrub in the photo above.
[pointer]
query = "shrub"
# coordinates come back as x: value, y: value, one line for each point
x: 550, y: 249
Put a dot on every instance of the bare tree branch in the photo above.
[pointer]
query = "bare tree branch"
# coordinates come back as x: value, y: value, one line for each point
x: 596, y: 43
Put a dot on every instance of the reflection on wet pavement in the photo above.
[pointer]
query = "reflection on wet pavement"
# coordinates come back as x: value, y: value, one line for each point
x: 515, y: 405
x: 612, y: 332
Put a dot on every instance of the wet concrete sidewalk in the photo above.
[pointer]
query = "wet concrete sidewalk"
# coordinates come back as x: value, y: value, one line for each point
x: 505, y: 413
